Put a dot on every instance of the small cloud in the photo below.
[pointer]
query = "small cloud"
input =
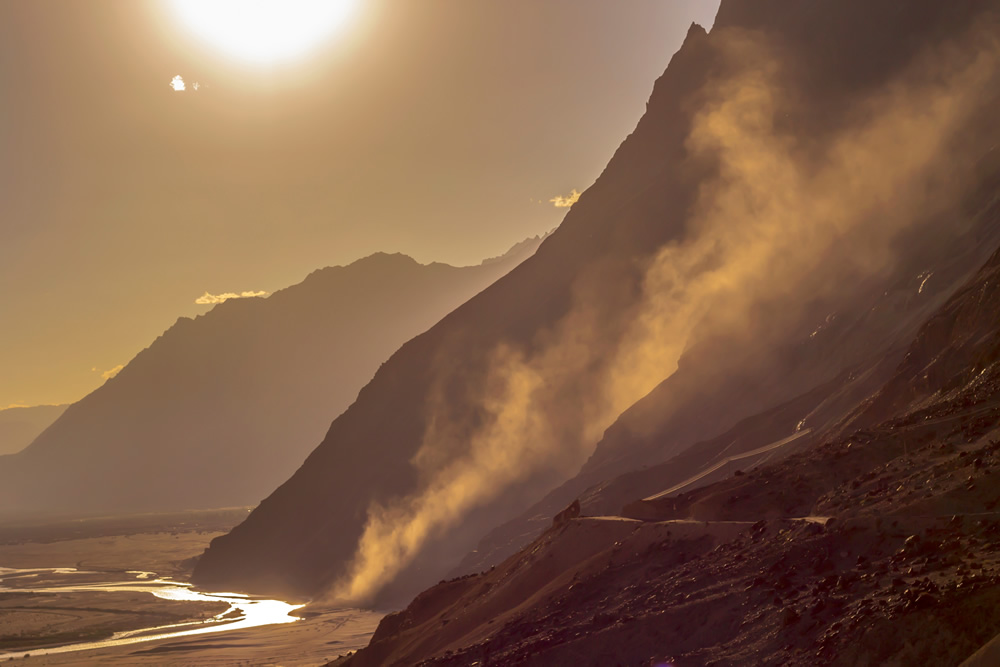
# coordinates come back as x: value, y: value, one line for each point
x: 208, y: 299
x: 18, y: 404
x: 177, y: 83
x: 108, y: 374
x: 567, y: 201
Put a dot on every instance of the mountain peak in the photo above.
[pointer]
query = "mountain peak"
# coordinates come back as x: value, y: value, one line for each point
x: 539, y: 364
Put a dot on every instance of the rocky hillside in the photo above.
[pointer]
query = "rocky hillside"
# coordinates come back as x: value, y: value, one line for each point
x: 303, y: 537
x: 804, y: 379
x: 685, y: 289
x: 880, y: 545
x: 671, y: 435
x: 221, y: 409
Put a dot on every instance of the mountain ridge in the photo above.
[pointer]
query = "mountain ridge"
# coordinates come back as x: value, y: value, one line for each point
x: 19, y: 426
x: 600, y: 257
x: 876, y: 543
x: 227, y: 403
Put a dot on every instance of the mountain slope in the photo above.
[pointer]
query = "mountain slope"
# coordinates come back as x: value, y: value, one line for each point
x: 699, y: 401
x: 686, y: 248
x: 303, y: 536
x: 19, y: 426
x: 220, y: 409
x: 846, y: 358
x: 880, y: 545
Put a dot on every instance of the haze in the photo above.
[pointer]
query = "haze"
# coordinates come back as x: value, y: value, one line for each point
x: 488, y: 332
x: 440, y: 129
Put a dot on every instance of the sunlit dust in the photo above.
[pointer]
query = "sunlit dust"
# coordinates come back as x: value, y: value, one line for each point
x: 177, y: 83
x: 263, y: 31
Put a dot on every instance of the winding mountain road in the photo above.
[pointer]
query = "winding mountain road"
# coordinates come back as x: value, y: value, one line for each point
x: 729, y: 459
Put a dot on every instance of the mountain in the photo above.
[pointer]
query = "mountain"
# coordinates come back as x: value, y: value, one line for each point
x: 676, y: 431
x: 223, y: 407
x: 19, y: 426
x: 869, y: 533
x: 808, y: 183
x: 878, y: 546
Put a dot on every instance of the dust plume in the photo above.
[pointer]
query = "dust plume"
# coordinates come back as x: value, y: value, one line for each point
x: 394, y: 535
x: 784, y: 217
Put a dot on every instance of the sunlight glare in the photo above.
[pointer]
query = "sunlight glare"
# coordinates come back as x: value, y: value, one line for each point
x: 263, y: 31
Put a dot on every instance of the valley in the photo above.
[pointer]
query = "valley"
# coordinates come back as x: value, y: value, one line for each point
x: 76, y: 591
x: 740, y: 407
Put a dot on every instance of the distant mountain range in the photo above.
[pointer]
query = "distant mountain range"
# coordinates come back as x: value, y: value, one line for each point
x: 223, y: 407
x: 754, y: 260
x: 19, y: 426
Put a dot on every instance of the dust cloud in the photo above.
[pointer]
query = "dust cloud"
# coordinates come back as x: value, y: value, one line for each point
x: 786, y: 219
x: 782, y: 218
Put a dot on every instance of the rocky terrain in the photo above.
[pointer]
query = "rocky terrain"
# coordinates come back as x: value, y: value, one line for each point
x: 878, y: 545
x: 789, y: 348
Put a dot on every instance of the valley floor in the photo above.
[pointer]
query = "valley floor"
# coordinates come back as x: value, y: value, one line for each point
x: 112, y: 551
x: 306, y: 643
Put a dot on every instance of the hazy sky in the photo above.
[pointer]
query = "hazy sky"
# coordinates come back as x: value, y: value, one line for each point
x: 436, y: 128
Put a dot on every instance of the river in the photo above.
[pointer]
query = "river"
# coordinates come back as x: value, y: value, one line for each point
x: 254, y: 611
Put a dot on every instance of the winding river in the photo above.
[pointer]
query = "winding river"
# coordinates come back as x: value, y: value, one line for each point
x: 244, y: 611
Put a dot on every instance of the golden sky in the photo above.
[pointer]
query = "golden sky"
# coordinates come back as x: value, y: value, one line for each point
x: 445, y: 129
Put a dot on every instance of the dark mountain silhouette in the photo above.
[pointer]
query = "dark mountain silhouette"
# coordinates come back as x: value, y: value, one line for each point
x: 220, y: 409
x: 284, y: 546
x: 856, y: 523
x: 19, y: 426
x: 828, y: 79
x: 844, y: 362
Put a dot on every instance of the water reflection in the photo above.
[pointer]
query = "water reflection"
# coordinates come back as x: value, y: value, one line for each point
x: 244, y: 611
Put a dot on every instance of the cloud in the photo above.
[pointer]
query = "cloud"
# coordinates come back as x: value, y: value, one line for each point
x: 783, y: 219
x: 567, y: 201
x: 180, y: 86
x: 208, y: 299
x: 108, y: 374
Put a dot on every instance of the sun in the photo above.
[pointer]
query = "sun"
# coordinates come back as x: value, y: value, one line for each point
x: 263, y: 31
